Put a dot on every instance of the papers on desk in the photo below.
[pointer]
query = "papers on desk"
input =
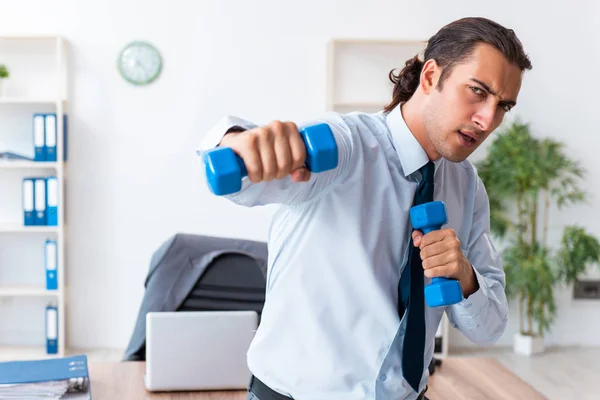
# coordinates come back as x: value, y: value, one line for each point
x: 46, y: 390
x: 58, y: 378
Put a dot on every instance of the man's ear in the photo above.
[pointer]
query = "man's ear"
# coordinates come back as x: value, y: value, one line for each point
x: 430, y: 73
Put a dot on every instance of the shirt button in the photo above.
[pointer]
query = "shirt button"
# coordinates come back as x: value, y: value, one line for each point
x: 383, y: 377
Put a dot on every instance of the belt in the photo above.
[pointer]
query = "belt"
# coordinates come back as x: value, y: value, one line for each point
x: 263, y: 392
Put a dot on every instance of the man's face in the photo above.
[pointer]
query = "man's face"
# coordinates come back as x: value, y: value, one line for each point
x: 472, y: 103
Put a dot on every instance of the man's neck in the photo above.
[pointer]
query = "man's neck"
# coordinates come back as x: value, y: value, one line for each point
x: 412, y: 113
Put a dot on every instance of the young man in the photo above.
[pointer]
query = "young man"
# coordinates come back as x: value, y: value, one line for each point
x: 345, y: 316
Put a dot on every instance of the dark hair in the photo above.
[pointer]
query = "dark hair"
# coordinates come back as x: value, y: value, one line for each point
x: 453, y: 44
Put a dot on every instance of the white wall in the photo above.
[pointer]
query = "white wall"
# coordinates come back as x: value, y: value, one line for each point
x: 133, y: 176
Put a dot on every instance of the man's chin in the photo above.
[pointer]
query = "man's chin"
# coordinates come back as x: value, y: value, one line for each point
x: 455, y: 156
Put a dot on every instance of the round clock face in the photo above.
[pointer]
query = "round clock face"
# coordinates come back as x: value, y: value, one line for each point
x: 139, y: 63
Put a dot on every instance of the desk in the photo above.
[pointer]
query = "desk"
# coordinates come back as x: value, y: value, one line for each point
x: 125, y: 380
x: 458, y: 378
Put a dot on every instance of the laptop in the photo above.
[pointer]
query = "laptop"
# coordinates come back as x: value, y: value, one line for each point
x: 201, y: 350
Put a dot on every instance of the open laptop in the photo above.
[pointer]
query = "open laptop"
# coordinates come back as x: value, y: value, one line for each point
x: 201, y: 350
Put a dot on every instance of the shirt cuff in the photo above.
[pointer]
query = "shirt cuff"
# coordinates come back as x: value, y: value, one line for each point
x: 470, y: 307
x: 214, y: 136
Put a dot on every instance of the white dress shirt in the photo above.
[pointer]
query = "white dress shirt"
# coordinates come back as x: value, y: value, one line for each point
x: 337, y: 246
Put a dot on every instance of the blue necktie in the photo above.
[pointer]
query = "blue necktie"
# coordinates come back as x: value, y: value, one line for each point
x: 412, y: 294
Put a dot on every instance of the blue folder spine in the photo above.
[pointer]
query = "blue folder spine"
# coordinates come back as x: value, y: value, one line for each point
x: 39, y: 137
x: 28, y: 202
x: 52, y: 329
x: 40, y: 201
x: 52, y: 201
x: 50, y: 136
x: 51, y: 264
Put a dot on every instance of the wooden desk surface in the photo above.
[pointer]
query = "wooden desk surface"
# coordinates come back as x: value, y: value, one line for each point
x: 125, y: 380
x: 457, y: 378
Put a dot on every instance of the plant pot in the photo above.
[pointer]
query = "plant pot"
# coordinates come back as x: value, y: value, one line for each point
x: 4, y: 87
x: 528, y: 345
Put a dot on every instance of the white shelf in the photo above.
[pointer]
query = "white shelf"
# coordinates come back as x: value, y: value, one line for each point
x: 22, y: 164
x: 360, y: 104
x: 39, y: 84
x: 18, y: 353
x: 27, y: 291
x: 16, y: 228
x: 369, y: 107
x: 25, y: 100
x: 358, y: 71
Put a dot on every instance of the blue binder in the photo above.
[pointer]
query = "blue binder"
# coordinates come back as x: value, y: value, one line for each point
x: 39, y: 194
x: 52, y: 329
x: 50, y: 137
x: 39, y: 137
x: 28, y: 201
x: 51, y: 264
x: 51, y: 369
x: 51, y: 201
x: 73, y: 370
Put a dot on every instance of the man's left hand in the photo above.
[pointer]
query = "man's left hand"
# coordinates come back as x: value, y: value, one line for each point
x: 443, y: 257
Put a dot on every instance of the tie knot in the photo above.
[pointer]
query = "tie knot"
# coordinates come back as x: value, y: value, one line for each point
x: 427, y: 171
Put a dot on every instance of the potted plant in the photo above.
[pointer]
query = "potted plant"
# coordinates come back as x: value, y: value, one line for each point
x: 4, y: 74
x: 527, y: 177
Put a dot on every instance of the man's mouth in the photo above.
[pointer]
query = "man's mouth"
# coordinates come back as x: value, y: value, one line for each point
x: 468, y: 136
x: 467, y: 139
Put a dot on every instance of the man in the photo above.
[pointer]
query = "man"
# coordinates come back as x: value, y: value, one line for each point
x: 345, y: 316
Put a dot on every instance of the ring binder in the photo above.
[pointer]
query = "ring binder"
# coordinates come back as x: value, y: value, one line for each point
x: 41, y: 378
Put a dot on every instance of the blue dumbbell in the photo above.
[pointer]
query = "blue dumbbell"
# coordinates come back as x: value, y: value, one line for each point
x: 426, y: 218
x: 225, y: 169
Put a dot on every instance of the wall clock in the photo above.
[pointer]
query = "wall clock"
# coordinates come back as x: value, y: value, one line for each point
x: 139, y: 63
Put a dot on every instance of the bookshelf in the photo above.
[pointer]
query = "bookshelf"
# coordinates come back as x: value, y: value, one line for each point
x: 29, y: 165
x: 358, y: 80
x: 357, y: 71
x: 37, y: 84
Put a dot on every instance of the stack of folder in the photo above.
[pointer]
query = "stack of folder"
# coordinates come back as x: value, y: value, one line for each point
x: 40, y: 201
x: 59, y: 378
x: 44, y: 140
x: 44, y: 137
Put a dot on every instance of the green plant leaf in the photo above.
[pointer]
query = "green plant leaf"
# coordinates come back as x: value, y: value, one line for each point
x: 525, y: 176
x: 577, y: 250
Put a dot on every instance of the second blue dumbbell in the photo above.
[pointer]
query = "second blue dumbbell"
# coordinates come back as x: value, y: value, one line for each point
x: 224, y: 169
x: 426, y: 218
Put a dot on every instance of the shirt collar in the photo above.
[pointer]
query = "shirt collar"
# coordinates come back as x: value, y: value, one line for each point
x: 411, y: 154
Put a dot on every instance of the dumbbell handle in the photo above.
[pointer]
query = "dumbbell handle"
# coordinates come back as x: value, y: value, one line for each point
x: 429, y: 217
x: 426, y: 230
x: 224, y: 169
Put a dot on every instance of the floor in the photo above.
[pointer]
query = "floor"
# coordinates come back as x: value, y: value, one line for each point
x: 562, y: 373
x: 565, y: 373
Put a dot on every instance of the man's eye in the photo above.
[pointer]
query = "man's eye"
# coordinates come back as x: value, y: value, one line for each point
x: 506, y: 107
x: 477, y: 90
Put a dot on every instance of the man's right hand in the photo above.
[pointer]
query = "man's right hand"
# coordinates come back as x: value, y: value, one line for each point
x: 270, y: 152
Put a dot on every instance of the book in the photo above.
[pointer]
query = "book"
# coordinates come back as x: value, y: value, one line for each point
x: 54, y: 378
